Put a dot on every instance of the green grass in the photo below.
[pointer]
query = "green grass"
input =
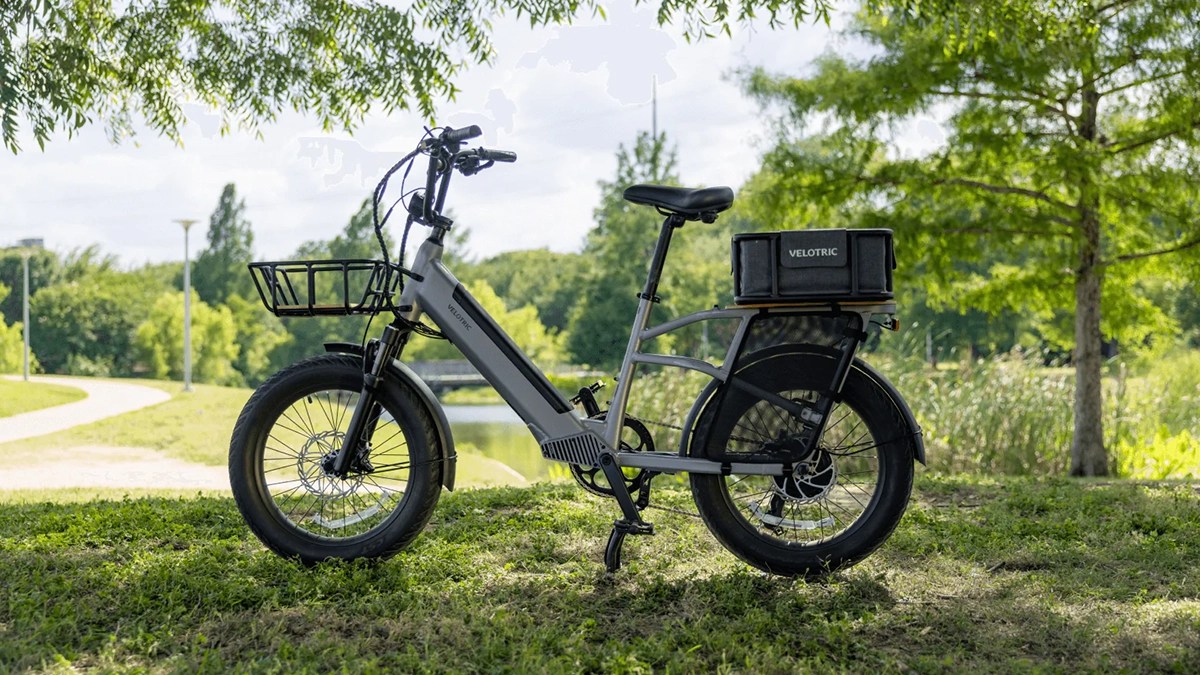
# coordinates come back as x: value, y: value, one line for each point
x: 20, y: 397
x: 191, y: 426
x: 982, y: 575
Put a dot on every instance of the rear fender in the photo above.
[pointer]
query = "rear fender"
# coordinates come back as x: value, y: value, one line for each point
x: 400, y: 375
x: 897, y: 400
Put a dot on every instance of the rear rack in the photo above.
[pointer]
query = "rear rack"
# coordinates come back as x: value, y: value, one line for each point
x: 326, y: 287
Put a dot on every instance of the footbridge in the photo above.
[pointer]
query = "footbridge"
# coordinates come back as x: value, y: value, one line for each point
x: 443, y: 376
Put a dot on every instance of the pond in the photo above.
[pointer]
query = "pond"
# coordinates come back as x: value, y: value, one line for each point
x: 495, y: 447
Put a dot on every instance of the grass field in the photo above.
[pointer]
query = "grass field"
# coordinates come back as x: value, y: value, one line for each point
x: 20, y: 397
x: 984, y: 576
x: 191, y: 426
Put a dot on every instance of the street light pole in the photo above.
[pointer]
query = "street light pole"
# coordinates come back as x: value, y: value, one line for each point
x: 187, y: 305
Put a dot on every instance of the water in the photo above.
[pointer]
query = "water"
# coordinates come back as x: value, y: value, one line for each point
x: 498, y: 434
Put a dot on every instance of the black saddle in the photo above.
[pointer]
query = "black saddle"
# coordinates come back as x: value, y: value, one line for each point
x: 701, y: 204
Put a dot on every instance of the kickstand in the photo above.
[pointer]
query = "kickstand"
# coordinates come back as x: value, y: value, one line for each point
x: 621, y: 528
x: 631, y: 521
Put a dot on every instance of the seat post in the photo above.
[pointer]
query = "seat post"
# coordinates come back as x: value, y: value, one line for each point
x: 646, y: 299
x: 669, y: 225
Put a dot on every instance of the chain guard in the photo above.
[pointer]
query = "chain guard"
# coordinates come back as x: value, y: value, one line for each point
x: 587, y: 476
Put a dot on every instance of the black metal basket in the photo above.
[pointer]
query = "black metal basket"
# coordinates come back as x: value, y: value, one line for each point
x: 326, y: 287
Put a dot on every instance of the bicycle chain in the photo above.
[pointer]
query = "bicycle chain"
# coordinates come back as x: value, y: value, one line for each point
x: 668, y: 509
x: 654, y: 423
x: 681, y: 429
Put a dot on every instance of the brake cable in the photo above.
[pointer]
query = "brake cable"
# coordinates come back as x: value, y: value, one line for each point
x: 418, y: 327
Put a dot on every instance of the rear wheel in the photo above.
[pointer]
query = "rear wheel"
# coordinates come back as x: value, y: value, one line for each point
x: 839, y: 503
x: 283, y: 445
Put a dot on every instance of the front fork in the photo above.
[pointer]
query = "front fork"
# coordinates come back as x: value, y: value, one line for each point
x: 355, y: 444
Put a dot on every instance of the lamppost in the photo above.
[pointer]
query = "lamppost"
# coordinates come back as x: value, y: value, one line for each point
x: 25, y: 310
x: 27, y: 248
x: 187, y: 305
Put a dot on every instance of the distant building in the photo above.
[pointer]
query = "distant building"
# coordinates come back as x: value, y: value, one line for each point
x: 32, y: 243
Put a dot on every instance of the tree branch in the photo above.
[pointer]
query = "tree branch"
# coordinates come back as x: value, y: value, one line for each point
x: 1115, y: 4
x: 1186, y: 244
x: 1004, y: 190
x: 1031, y: 100
x: 1117, y: 147
x: 1138, y: 83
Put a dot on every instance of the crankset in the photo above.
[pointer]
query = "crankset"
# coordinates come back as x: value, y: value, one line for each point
x: 587, y: 476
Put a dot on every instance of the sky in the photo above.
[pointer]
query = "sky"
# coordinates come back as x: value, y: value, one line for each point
x: 562, y: 98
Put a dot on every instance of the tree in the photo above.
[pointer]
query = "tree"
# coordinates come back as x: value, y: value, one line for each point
x: 83, y: 324
x: 552, y: 282
x: 158, y: 340
x: 521, y: 324
x: 220, y: 269
x: 617, y: 254
x: 44, y: 270
x: 12, y: 342
x: 258, y: 334
x: 64, y: 64
x: 1069, y: 165
x: 85, y: 327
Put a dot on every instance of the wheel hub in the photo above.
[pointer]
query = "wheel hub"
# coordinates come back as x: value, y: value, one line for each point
x: 315, y: 461
x: 810, y: 480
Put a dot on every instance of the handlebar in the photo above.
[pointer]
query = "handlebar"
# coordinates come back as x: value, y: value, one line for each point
x: 496, y: 155
x: 460, y: 135
x: 445, y: 156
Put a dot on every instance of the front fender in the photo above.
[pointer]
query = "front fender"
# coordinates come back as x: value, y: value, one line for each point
x: 403, y: 376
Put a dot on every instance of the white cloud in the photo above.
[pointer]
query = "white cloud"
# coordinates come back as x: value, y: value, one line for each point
x: 563, y: 98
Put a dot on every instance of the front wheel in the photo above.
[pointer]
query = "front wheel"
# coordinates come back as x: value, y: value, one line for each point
x: 284, y: 442
x: 839, y: 503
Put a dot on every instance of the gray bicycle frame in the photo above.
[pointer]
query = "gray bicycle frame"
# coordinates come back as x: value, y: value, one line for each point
x: 433, y: 290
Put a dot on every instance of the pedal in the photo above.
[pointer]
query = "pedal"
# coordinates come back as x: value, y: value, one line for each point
x: 587, y: 398
x: 640, y: 527
x: 616, y: 541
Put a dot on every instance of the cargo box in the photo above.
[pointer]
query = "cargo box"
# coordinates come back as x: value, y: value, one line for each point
x: 813, y: 266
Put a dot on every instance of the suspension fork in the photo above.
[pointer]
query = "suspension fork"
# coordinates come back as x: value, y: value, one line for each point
x: 367, y: 411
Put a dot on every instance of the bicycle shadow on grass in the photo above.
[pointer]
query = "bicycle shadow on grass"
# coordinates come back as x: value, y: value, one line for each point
x: 1027, y: 576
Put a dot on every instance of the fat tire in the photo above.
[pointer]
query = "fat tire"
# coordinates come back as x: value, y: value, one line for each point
x: 812, y: 370
x: 246, y: 457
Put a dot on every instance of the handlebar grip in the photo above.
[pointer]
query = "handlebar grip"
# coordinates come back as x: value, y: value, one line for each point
x: 460, y: 135
x: 498, y: 155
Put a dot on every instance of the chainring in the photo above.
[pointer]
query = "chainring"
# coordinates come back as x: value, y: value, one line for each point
x: 586, y: 476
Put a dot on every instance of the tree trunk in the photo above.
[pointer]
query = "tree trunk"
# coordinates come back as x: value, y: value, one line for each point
x: 1088, y: 456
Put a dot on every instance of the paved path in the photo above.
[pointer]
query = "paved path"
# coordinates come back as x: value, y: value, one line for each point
x: 100, y: 466
x: 104, y: 399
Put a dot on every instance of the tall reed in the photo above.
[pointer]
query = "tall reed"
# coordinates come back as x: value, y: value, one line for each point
x: 1009, y: 414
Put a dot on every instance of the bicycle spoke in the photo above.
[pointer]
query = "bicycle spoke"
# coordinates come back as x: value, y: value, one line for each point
x: 320, y: 504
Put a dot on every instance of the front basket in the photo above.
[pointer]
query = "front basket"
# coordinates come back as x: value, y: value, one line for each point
x: 326, y: 287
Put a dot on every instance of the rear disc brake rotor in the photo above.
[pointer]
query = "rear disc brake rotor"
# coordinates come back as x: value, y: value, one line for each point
x: 810, y: 480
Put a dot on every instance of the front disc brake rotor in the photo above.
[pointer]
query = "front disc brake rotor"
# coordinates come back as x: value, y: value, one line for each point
x: 316, y: 454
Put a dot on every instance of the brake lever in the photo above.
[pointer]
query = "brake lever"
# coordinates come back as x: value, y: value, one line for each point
x: 469, y: 163
x: 475, y: 167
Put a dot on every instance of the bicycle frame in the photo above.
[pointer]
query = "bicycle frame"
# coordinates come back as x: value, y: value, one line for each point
x: 564, y: 434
